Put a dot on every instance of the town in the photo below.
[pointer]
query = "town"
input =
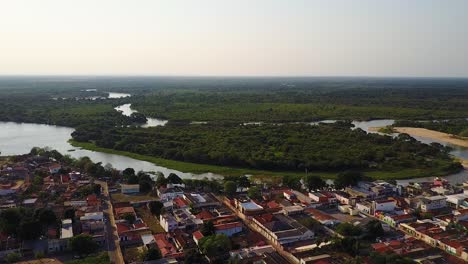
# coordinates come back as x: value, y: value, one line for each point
x: 66, y: 210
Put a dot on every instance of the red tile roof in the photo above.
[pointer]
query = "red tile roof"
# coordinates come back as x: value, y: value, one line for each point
x: 198, y: 235
x: 204, y: 215
x: 180, y: 202
x: 228, y: 226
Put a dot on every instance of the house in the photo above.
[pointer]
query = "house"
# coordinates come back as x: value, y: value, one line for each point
x: 433, y: 203
x: 30, y: 202
x: 365, y: 207
x: 92, y: 200
x: 201, y: 200
x: 55, y: 168
x: 180, y: 202
x: 168, y: 222
x: 289, y: 195
x: 122, y: 211
x: 228, y: 229
x: 343, y: 197
x: 67, y: 229
x: 383, y: 206
x: 169, y: 193
x: 319, y: 197
x: 130, y: 188
x: 395, y: 220
x: 281, y: 230
x: 456, y: 200
x: 292, y: 210
x: 197, y: 235
x: 248, y: 207
x: 323, y: 218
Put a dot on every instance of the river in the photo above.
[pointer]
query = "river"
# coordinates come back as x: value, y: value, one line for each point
x: 19, y: 138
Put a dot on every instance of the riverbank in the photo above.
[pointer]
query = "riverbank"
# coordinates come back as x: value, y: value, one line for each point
x: 230, y: 171
x: 426, y: 133
x: 436, y: 135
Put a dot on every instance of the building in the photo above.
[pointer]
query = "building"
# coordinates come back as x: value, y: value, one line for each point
x: 54, y: 168
x: 248, y: 207
x: 383, y: 206
x: 229, y: 229
x: 169, y: 193
x: 168, y: 222
x: 130, y: 188
x: 433, y: 203
x: 289, y: 195
x: 281, y: 230
x: 197, y: 235
x: 201, y: 200
x: 456, y: 200
x: 67, y: 229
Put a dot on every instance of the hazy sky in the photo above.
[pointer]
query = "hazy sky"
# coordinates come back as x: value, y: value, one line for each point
x: 238, y: 37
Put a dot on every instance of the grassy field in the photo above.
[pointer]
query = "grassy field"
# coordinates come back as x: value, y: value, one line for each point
x: 229, y: 171
x: 119, y: 197
x: 149, y: 219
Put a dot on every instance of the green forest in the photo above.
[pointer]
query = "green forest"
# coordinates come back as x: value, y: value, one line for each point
x: 284, y: 142
x: 292, y: 147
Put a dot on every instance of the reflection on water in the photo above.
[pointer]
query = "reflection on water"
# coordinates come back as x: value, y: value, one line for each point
x: 16, y: 139
x: 127, y: 110
x: 118, y: 95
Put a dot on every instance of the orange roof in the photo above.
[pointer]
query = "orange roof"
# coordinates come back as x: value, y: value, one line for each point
x: 121, y: 228
x: 228, y: 226
x: 180, y: 202
x: 124, y: 210
x: 198, y: 235
x: 204, y: 215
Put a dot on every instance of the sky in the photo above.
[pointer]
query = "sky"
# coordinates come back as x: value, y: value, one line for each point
x: 423, y: 38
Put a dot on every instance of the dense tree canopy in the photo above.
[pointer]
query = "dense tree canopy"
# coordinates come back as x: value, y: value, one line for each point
x: 292, y: 147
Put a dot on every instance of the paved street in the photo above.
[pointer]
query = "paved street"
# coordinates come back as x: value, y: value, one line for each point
x: 112, y: 238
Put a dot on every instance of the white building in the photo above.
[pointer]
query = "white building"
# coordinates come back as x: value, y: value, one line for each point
x: 170, y: 193
x: 67, y: 229
x: 433, y: 203
x: 130, y: 188
x: 384, y: 205
x: 168, y: 222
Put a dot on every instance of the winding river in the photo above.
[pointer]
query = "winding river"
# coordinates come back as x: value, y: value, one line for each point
x: 19, y: 138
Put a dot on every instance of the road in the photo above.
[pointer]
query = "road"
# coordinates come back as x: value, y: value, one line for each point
x: 288, y: 256
x: 112, y: 237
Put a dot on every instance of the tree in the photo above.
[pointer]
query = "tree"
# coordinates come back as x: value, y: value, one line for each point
x: 192, y: 256
x: 46, y: 216
x: 156, y: 207
x: 374, y: 229
x: 244, y: 182
x: 13, y: 257
x: 230, y: 187
x: 9, y: 220
x: 215, y: 246
x: 208, y: 228
x: 292, y: 182
x: 129, y: 217
x: 314, y: 182
x: 69, y: 213
x: 152, y: 253
x: 348, y: 178
x: 128, y: 172
x: 383, y: 258
x: 254, y: 193
x: 160, y: 179
x: 83, y: 244
x: 174, y: 179
x: 29, y: 229
x: 348, y: 229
